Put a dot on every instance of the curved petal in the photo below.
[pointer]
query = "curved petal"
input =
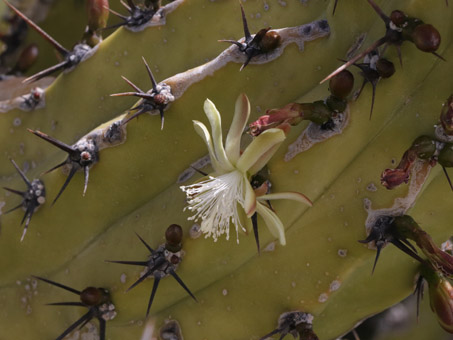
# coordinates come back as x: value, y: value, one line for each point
x: 233, y: 139
x: 273, y: 223
x: 249, y: 198
x: 202, y: 131
x: 263, y: 160
x: 291, y: 195
x: 259, y: 147
x: 216, y: 130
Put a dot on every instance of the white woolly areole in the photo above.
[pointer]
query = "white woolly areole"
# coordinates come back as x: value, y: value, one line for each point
x: 215, y: 201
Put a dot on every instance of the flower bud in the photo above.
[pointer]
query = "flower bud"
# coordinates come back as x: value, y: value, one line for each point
x: 426, y: 38
x: 441, y: 299
x: 341, y: 85
x: 92, y: 296
x: 290, y: 114
x: 173, y: 237
x: 385, y: 68
x: 398, y: 17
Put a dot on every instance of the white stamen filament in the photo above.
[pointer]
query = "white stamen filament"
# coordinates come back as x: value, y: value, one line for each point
x: 215, y: 201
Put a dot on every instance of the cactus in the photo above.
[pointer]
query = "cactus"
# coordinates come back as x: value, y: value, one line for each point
x: 322, y: 272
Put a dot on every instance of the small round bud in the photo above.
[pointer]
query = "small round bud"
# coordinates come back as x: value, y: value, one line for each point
x: 426, y: 38
x: 398, y: 17
x: 385, y: 68
x: 91, y: 296
x: 341, y: 85
x: 173, y: 236
x: 270, y: 41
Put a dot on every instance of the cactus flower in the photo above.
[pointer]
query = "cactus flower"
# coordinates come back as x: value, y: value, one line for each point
x: 216, y: 200
x: 440, y: 295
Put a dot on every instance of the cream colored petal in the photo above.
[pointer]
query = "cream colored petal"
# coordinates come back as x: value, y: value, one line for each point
x: 202, y: 131
x: 290, y: 195
x: 259, y: 147
x: 263, y: 160
x: 216, y: 131
x: 273, y: 223
x: 249, y: 198
x: 233, y: 140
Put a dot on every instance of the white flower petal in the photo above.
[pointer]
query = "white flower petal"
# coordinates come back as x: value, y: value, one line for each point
x: 233, y: 140
x: 273, y: 223
x: 249, y: 199
x: 202, y: 131
x: 216, y: 131
x: 258, y: 147
x: 295, y: 196
x: 264, y: 159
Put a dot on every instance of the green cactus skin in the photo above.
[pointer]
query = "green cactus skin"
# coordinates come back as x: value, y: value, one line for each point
x: 323, y: 270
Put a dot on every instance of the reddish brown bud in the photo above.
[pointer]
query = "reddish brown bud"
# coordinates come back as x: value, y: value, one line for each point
x: 341, y: 85
x: 398, y: 17
x: 173, y: 236
x: 91, y: 296
x: 290, y: 114
x: 385, y: 68
x: 426, y: 38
